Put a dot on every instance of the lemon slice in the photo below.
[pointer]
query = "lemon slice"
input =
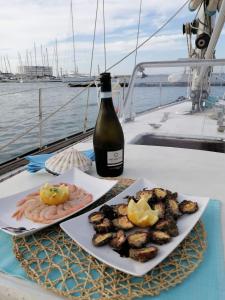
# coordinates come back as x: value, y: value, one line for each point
x: 141, y: 214
x: 54, y: 195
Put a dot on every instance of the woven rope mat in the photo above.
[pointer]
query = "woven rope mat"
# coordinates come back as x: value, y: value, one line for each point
x: 54, y: 261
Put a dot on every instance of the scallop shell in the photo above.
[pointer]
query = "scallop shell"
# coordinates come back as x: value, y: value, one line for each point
x: 67, y: 160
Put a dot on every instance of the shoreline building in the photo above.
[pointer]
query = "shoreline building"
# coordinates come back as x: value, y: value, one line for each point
x: 36, y: 71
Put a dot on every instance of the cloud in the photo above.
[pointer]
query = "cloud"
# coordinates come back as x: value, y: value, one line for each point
x: 23, y: 22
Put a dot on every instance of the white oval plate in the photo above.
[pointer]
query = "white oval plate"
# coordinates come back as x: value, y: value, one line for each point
x: 81, y: 231
x: 97, y: 187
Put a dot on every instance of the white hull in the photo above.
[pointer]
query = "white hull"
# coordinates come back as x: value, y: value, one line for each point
x: 78, y: 79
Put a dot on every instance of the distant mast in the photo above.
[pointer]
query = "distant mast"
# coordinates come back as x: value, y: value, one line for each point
x: 56, y: 58
x: 8, y: 64
x: 74, y: 53
x: 47, y: 57
x: 6, y: 69
x: 35, y: 58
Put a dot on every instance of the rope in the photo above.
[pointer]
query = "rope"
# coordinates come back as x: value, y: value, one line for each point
x: 139, y: 21
x: 103, y: 13
x: 92, y: 55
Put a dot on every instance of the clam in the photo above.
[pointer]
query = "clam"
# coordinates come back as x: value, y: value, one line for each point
x: 67, y: 160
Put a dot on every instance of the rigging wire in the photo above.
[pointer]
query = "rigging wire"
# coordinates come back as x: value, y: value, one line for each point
x: 103, y: 15
x: 151, y: 36
x: 91, y: 66
x: 138, y: 31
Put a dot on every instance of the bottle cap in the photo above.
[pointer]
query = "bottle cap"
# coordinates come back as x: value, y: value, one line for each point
x: 105, y: 81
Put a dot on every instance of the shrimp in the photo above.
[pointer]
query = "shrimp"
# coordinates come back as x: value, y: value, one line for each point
x: 32, y: 208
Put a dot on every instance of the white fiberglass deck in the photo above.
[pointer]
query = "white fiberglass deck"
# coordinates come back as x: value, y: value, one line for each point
x: 179, y: 123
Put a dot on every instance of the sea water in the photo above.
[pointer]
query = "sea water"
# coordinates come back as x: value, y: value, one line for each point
x: 20, y: 111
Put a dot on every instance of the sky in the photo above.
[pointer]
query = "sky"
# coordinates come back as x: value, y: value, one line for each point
x: 24, y: 23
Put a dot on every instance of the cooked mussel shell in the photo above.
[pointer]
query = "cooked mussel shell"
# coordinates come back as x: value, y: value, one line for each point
x: 108, y: 211
x: 123, y: 251
x: 96, y: 217
x: 119, y: 238
x: 159, y: 237
x: 188, y: 207
x: 122, y: 223
x: 104, y: 226
x: 138, y: 239
x: 167, y: 225
x: 172, y: 208
x: 146, y: 194
x: 120, y: 209
x: 160, y: 207
x: 100, y: 239
x: 143, y: 254
x: 159, y: 193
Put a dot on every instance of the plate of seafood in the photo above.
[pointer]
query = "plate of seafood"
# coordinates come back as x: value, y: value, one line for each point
x: 32, y: 210
x: 138, y: 228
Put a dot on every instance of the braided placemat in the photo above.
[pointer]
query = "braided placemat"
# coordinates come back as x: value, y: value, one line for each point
x: 52, y: 259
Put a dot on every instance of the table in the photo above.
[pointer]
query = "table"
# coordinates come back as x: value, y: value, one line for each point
x: 183, y: 170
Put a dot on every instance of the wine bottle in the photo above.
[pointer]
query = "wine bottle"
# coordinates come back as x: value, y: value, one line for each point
x: 108, y: 136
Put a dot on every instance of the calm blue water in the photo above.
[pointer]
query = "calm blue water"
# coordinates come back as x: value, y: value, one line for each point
x: 20, y: 111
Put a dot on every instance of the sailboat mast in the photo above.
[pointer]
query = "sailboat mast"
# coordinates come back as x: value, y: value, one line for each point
x: 6, y: 69
x: 47, y: 57
x: 1, y: 65
x: 56, y: 58
x: 35, y: 58
x: 31, y: 62
x: 27, y: 58
x: 74, y: 52
x: 8, y: 64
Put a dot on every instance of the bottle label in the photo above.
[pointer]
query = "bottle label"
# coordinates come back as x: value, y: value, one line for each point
x: 114, y: 158
x: 106, y: 95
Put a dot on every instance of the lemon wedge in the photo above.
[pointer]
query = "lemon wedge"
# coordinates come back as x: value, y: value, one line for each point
x: 54, y: 195
x: 141, y: 214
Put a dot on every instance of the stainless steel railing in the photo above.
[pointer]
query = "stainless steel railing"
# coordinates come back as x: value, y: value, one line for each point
x: 128, y: 113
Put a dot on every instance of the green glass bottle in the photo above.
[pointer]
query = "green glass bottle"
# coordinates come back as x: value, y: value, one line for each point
x: 108, y: 136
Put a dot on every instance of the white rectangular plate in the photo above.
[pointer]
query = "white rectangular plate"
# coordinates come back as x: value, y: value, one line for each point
x: 81, y: 231
x: 97, y: 187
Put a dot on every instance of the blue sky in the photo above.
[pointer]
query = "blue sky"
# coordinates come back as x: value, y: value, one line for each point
x: 23, y: 22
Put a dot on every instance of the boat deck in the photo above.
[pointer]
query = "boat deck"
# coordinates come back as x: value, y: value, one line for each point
x: 176, y: 121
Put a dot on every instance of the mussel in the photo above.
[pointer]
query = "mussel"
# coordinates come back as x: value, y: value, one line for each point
x: 104, y: 226
x: 118, y: 240
x: 159, y: 237
x: 96, y: 217
x: 172, y: 208
x: 188, y: 207
x: 160, y: 207
x: 108, y: 211
x: 120, y: 209
x: 138, y: 239
x: 143, y: 254
x: 167, y: 225
x: 160, y: 193
x: 122, y: 223
x: 100, y: 239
